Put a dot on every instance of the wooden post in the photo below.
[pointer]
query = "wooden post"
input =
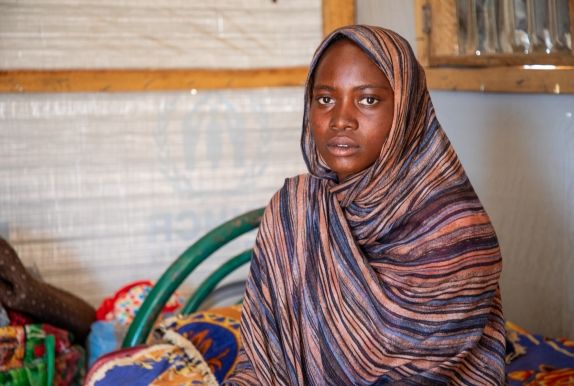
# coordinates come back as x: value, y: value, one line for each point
x: 337, y: 13
x: 444, y: 28
x: 436, y: 26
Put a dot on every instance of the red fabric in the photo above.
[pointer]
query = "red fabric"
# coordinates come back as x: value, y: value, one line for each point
x: 107, y: 308
x: 107, y: 305
x: 18, y: 318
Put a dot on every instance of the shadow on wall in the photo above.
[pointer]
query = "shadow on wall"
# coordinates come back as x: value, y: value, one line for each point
x: 516, y: 151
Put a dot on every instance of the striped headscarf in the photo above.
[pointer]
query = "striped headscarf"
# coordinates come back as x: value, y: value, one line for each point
x: 389, y: 277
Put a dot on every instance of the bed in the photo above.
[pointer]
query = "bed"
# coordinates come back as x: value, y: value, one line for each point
x: 200, y: 347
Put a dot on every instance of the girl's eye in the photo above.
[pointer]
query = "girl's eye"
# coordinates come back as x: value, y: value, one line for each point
x: 368, y: 101
x: 324, y: 100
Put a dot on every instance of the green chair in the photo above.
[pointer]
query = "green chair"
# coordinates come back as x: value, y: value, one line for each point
x: 186, y: 264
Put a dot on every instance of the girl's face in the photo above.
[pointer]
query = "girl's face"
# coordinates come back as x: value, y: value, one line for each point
x: 352, y: 108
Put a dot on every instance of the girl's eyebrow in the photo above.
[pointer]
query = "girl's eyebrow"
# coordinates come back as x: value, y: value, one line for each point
x: 361, y: 87
x: 365, y: 86
x: 323, y: 87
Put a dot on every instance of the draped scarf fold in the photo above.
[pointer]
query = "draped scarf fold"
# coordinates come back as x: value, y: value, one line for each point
x: 390, y: 276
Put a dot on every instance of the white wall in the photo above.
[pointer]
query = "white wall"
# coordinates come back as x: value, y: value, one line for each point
x: 101, y: 189
x: 518, y: 151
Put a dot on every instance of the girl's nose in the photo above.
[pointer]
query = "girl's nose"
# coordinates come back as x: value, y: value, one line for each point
x: 343, y: 117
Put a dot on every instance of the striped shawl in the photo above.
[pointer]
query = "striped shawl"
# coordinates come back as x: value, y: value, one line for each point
x: 389, y: 277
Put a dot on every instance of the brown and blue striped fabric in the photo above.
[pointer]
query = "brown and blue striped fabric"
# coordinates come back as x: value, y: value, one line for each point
x: 390, y: 277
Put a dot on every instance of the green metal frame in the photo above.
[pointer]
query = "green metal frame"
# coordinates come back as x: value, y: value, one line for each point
x: 184, y: 265
x: 214, y: 279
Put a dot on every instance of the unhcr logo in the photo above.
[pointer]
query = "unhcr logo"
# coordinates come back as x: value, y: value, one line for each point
x: 211, y: 141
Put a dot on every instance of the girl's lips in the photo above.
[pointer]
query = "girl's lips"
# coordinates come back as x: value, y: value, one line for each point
x: 342, y: 146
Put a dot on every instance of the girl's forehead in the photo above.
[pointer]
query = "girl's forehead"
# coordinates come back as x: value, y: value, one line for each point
x: 379, y: 55
x: 343, y: 57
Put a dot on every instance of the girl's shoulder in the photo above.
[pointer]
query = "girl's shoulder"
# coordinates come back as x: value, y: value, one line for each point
x: 297, y: 180
x: 292, y: 183
x: 292, y: 186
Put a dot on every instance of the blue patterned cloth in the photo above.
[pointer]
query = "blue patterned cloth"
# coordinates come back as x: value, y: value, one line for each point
x: 536, y: 360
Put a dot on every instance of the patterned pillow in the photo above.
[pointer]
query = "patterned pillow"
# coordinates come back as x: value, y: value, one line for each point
x: 199, y: 349
x: 215, y: 334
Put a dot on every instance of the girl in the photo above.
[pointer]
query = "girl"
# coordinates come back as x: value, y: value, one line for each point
x: 380, y: 265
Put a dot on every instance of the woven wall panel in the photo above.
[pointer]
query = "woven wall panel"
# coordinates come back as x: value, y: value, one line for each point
x: 97, y: 190
x: 71, y: 34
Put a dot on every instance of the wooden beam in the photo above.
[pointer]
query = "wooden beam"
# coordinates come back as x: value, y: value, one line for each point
x: 558, y: 80
x: 559, y: 59
x: 335, y: 13
x: 147, y: 80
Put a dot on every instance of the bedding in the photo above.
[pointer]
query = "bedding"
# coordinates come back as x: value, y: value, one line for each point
x: 39, y: 354
x: 533, y: 359
x: 183, y: 345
